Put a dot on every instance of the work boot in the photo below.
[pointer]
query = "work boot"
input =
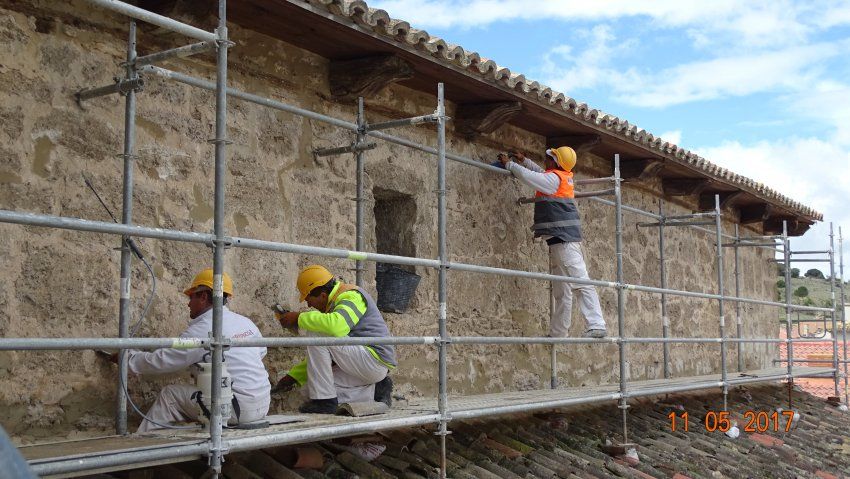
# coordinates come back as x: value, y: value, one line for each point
x: 384, y: 391
x: 319, y: 406
x: 595, y: 333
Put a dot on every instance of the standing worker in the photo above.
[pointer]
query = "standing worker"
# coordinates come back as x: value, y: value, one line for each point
x: 180, y: 402
x: 556, y: 220
x: 338, y: 374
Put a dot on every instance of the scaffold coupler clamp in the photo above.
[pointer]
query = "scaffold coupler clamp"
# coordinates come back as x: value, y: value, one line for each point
x: 225, y: 343
x: 227, y: 242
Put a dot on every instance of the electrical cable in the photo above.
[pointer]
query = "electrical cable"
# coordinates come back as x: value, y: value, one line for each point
x: 129, y: 242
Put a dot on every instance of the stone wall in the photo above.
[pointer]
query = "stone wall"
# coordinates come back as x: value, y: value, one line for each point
x: 65, y: 284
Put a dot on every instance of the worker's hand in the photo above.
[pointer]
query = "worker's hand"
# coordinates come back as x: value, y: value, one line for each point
x: 288, y: 320
x: 504, y: 159
x: 285, y: 384
x: 518, y: 155
x: 111, y: 357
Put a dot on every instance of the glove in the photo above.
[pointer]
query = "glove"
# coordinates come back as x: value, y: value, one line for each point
x: 279, y: 311
x: 285, y: 384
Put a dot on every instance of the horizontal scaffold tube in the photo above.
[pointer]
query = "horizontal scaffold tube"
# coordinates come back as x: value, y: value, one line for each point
x: 533, y: 406
x: 68, y: 344
x: 347, y: 125
x: 327, y: 432
x: 208, y: 85
x: 528, y: 340
x: 112, y: 459
x: 33, y: 219
x: 12, y: 344
x: 154, y: 19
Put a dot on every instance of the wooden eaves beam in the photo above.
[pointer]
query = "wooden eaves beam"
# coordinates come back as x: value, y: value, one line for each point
x: 473, y: 119
x: 366, y: 76
x: 727, y: 199
x: 684, y: 186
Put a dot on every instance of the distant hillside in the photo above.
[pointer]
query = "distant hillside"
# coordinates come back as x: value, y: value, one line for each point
x: 818, y: 291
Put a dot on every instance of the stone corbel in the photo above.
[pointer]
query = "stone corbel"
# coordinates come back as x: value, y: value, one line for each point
x: 366, y: 76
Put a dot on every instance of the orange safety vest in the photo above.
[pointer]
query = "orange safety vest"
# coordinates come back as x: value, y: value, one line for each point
x: 556, y: 215
x: 565, y: 188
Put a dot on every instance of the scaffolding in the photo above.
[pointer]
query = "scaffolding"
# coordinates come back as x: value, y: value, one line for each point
x: 215, y: 445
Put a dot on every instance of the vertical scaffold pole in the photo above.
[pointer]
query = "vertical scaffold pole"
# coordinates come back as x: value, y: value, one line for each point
x: 218, y: 408
x: 621, y: 316
x: 789, y: 346
x: 361, y: 137
x: 739, y: 322
x: 126, y: 218
x: 837, y: 372
x: 553, y: 356
x: 665, y: 320
x: 444, y: 259
x: 718, y: 228
x: 843, y: 313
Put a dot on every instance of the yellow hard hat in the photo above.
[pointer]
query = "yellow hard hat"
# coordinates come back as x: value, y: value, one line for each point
x: 564, y: 156
x: 205, y: 278
x: 312, y: 277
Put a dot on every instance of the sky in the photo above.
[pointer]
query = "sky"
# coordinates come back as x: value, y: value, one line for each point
x: 759, y: 87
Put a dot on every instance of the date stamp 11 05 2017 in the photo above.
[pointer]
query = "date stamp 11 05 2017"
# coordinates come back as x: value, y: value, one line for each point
x: 754, y: 421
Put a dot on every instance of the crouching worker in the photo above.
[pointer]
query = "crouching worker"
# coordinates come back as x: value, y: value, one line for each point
x: 250, y: 381
x: 338, y: 374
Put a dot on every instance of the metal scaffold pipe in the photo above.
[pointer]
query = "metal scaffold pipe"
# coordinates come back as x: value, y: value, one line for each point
x: 837, y: 376
x: 179, y: 52
x: 359, y: 240
x: 843, y: 314
x: 786, y: 251
x: 665, y: 320
x: 721, y: 291
x: 442, y: 292
x: 154, y: 19
x: 739, y: 324
x: 34, y: 219
x: 621, y: 293
x: 126, y: 219
x: 268, y: 103
x: 219, y: 409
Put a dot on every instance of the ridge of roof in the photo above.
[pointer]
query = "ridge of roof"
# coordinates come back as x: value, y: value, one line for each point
x: 380, y: 22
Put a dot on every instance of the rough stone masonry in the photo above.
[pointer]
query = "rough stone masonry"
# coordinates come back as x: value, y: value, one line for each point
x: 65, y: 284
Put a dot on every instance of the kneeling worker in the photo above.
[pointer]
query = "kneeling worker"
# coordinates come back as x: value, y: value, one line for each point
x: 250, y: 381
x: 338, y: 374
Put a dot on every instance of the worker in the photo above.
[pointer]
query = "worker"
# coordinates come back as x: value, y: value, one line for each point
x: 556, y: 220
x: 338, y: 374
x: 250, y: 381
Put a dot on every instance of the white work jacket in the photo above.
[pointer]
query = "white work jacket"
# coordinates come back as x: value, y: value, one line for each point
x: 245, y: 365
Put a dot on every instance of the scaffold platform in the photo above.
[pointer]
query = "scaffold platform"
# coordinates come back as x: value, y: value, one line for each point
x: 415, y: 412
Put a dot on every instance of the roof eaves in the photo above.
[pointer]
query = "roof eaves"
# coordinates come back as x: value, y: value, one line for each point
x: 379, y: 22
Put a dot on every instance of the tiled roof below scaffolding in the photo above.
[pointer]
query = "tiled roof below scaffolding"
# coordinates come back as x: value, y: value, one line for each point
x: 343, y: 30
x: 572, y: 444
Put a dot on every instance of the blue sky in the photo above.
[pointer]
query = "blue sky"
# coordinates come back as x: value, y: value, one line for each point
x: 759, y: 87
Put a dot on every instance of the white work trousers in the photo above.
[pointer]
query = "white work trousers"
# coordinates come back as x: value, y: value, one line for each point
x: 175, y: 404
x: 565, y: 259
x: 348, y: 373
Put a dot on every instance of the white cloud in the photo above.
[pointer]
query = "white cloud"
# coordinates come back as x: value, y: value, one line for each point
x: 755, y: 22
x: 789, y: 69
x: 813, y: 171
x: 674, y: 136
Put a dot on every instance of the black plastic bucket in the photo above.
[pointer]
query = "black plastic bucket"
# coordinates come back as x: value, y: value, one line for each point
x: 396, y: 287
